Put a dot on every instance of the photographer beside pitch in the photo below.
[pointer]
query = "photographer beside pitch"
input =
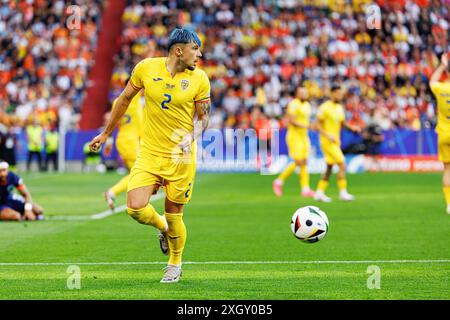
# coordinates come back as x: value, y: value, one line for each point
x: 441, y: 90
x: 13, y: 207
x: 177, y: 103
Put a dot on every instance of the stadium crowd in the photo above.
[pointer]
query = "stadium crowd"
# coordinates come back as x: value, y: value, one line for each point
x: 44, y: 62
x: 257, y: 52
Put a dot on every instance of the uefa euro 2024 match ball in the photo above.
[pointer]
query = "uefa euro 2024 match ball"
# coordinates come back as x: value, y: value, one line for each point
x: 309, y: 224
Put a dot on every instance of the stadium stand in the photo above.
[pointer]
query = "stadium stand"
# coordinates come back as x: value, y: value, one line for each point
x: 45, y: 64
x: 256, y: 53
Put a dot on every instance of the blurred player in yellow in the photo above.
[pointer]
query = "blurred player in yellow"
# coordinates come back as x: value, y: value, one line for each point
x: 441, y: 91
x: 177, y: 103
x: 330, y: 119
x: 297, y: 140
x: 127, y: 144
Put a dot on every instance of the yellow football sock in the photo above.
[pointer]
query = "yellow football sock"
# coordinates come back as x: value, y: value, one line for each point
x: 304, y: 177
x: 287, y: 172
x: 148, y: 216
x: 176, y: 236
x: 447, y: 194
x: 342, y: 184
x: 120, y: 186
x: 322, y: 186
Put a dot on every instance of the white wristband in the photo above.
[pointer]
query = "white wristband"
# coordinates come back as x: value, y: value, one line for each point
x: 28, y: 207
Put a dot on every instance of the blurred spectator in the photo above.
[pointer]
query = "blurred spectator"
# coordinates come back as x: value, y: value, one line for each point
x: 51, y: 148
x: 35, y: 143
x: 8, y: 140
x: 92, y: 160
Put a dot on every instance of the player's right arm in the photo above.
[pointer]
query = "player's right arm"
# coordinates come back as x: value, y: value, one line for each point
x: 438, y: 72
x: 320, y: 124
x: 292, y: 121
x: 321, y: 130
x: 116, y: 114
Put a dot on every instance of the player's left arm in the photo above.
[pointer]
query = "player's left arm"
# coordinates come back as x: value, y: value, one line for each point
x: 22, y: 188
x: 201, y: 121
x: 440, y: 70
x: 202, y: 105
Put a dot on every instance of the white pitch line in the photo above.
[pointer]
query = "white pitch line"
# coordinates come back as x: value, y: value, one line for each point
x: 100, y: 215
x: 6, y: 264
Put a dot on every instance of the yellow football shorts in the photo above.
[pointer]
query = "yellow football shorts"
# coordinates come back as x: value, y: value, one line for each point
x: 176, y: 177
x: 298, y: 148
x: 332, y: 153
x: 444, y: 147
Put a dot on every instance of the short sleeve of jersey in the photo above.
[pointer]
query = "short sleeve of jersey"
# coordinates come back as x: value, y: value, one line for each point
x: 437, y: 87
x: 342, y: 114
x: 136, y: 75
x: 321, y: 112
x: 308, y: 105
x: 291, y: 108
x: 16, y: 180
x: 204, y: 89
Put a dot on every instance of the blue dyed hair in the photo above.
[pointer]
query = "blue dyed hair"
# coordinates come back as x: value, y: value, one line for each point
x: 183, y: 35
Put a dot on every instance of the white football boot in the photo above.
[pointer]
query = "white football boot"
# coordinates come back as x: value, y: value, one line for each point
x: 345, y: 196
x: 320, y: 196
x: 172, y: 273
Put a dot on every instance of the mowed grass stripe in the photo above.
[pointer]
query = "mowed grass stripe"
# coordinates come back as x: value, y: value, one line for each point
x: 26, y: 264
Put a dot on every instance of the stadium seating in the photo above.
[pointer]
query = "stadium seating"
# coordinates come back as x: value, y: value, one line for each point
x: 255, y: 53
x: 44, y: 61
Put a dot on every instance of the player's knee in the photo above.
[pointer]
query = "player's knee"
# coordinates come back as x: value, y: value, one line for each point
x: 135, y: 203
x: 133, y: 212
x: 12, y: 216
x: 136, y: 214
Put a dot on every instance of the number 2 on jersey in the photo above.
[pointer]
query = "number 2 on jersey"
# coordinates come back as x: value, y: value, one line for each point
x: 169, y: 98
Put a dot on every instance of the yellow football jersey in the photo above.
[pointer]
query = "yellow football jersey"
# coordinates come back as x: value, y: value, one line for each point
x: 332, y: 114
x: 441, y: 91
x: 130, y: 126
x: 302, y: 112
x: 169, y: 104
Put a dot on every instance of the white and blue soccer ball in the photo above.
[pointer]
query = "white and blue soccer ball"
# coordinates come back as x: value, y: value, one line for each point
x: 309, y: 224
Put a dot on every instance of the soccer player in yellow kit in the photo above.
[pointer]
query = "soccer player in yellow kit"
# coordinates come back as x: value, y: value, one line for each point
x: 127, y: 144
x: 330, y: 119
x: 441, y: 90
x: 297, y: 140
x: 177, y: 103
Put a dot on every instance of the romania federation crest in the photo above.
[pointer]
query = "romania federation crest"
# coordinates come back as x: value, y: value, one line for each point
x: 184, y: 84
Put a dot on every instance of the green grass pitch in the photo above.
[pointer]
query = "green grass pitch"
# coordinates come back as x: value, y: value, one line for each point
x: 232, y: 218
